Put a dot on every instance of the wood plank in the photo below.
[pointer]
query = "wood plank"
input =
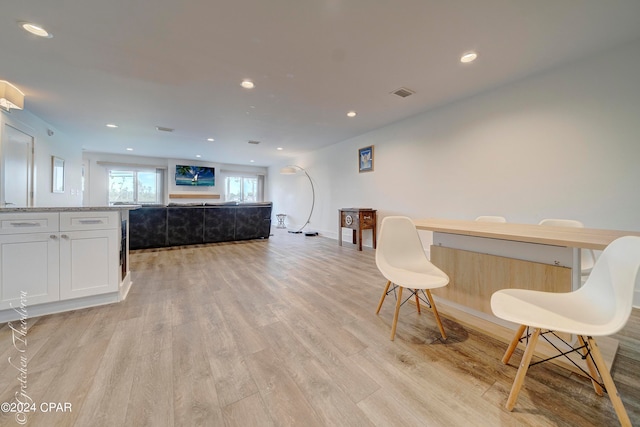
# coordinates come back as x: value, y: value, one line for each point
x: 111, y: 387
x: 283, y: 398
x: 232, y: 378
x: 250, y: 411
x: 193, y: 196
x: 195, y: 397
x: 151, y: 401
x: 322, y: 388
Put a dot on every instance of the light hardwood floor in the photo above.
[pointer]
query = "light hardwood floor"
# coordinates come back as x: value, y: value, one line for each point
x: 283, y: 332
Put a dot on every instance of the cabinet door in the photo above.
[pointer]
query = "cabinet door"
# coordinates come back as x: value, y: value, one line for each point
x: 88, y: 263
x: 29, y: 265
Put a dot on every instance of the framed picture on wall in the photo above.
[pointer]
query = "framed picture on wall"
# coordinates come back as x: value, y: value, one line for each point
x: 57, y: 175
x: 365, y: 159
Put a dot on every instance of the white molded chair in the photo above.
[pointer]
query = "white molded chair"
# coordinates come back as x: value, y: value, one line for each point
x: 587, y: 256
x: 402, y: 261
x: 491, y: 218
x: 600, y: 307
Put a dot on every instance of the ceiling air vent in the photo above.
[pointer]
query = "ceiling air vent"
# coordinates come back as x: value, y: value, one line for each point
x: 254, y: 142
x: 403, y: 92
x: 164, y: 129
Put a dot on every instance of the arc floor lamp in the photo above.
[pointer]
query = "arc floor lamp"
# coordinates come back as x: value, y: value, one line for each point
x: 292, y: 170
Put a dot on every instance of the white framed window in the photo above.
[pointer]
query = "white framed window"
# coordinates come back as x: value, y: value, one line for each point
x: 244, y: 188
x: 136, y: 186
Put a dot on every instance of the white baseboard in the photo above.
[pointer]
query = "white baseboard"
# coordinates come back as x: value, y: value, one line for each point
x: 636, y: 298
x: 125, y: 286
x: 60, y: 306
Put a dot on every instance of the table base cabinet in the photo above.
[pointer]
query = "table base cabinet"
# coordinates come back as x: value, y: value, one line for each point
x: 475, y: 276
x: 357, y: 219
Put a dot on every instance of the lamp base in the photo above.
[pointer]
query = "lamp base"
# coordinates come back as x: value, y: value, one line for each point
x: 306, y: 233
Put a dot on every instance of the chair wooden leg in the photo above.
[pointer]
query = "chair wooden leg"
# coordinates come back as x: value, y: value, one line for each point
x: 514, y: 344
x: 522, y: 370
x: 435, y: 313
x: 608, y: 383
x: 395, y: 316
x: 592, y: 368
x: 384, y: 294
x: 417, y: 299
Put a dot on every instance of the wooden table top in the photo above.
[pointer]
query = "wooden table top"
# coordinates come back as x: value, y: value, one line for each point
x: 587, y: 238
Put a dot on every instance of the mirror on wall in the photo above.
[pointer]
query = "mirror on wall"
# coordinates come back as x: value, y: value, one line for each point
x: 57, y: 175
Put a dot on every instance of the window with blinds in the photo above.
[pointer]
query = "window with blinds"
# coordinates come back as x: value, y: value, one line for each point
x: 243, y: 188
x: 135, y: 186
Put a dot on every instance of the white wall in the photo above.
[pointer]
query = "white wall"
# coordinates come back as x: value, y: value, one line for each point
x: 48, y: 141
x: 564, y: 144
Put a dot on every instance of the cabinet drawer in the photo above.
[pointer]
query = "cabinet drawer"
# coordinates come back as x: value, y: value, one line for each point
x: 22, y: 223
x: 74, y: 221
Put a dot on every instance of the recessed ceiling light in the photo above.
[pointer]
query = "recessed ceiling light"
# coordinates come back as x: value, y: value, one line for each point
x: 251, y: 161
x: 468, y: 57
x: 247, y: 84
x: 352, y: 114
x: 36, y: 30
x: 279, y: 148
x: 129, y: 149
x: 210, y: 139
x: 198, y: 155
x: 111, y: 125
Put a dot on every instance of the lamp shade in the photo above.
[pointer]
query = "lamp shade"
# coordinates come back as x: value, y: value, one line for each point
x: 288, y: 170
x: 10, y: 96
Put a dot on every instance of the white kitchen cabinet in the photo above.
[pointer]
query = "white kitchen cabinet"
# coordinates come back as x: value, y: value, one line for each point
x: 29, y: 263
x: 88, y: 263
x: 89, y: 253
x: 58, y: 258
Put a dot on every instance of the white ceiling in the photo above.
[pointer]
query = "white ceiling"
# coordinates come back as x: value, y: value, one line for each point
x: 179, y: 64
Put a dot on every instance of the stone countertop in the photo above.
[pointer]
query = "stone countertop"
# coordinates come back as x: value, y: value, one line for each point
x: 68, y: 208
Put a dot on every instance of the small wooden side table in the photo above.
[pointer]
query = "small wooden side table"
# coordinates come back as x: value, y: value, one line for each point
x: 357, y: 219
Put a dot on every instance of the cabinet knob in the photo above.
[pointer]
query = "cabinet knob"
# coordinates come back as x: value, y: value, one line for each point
x: 53, y: 236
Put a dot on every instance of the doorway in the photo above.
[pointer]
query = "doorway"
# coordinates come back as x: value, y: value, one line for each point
x: 16, y: 178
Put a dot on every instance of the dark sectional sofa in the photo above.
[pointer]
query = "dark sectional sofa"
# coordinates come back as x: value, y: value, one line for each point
x: 188, y: 224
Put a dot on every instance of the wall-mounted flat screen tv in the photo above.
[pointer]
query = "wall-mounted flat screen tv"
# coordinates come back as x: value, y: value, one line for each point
x: 195, y: 175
